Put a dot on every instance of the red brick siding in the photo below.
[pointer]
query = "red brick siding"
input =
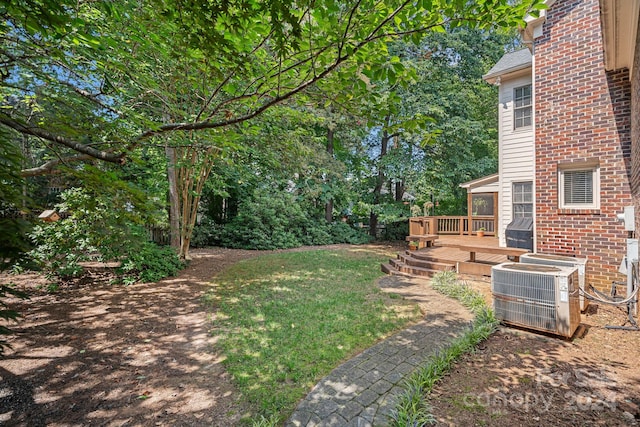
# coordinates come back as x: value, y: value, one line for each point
x: 635, y: 132
x: 582, y: 112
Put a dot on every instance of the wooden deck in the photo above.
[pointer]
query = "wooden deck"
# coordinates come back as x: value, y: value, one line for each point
x: 475, y: 255
x: 448, y: 247
x: 465, y: 254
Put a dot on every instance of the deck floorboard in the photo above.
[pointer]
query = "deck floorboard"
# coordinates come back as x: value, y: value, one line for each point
x: 442, y: 251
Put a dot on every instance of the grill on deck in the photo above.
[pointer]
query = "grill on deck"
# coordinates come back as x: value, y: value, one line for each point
x: 519, y: 234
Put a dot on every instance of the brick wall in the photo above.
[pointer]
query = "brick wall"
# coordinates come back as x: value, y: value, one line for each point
x: 635, y: 133
x: 582, y: 113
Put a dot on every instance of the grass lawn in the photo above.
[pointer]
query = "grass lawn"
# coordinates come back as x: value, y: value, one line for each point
x: 286, y: 320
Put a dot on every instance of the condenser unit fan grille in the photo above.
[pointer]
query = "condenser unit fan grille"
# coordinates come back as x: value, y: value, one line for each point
x: 525, y: 299
x: 524, y: 313
x: 531, y: 287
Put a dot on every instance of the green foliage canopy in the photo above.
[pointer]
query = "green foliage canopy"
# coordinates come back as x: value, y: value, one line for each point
x: 85, y: 77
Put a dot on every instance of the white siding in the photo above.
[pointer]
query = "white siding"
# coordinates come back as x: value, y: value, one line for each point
x: 516, y: 152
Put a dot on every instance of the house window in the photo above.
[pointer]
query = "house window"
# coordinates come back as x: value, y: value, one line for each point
x: 522, y: 107
x: 579, y: 188
x: 523, y: 199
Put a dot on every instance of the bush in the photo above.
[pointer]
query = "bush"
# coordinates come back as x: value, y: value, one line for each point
x: 98, y: 228
x: 149, y: 264
x: 13, y: 227
x: 207, y: 233
x: 274, y: 221
x: 396, y: 230
x: 344, y: 233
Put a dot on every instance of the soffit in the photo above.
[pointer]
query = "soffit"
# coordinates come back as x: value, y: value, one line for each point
x: 619, y: 19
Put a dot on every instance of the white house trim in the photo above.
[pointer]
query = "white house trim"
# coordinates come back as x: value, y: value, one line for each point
x: 619, y: 26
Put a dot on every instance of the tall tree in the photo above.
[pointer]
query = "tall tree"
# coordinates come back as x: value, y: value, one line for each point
x: 84, y: 68
x: 96, y: 80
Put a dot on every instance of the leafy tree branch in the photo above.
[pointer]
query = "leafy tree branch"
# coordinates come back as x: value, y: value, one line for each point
x: 241, y: 58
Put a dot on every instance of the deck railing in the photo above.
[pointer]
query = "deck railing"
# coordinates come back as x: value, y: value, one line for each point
x: 451, y: 225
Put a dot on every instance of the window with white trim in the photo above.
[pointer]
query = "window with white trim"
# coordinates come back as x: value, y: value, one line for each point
x: 522, y: 111
x: 579, y: 187
x: 522, y: 199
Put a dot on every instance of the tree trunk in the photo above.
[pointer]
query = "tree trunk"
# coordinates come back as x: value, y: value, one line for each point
x: 399, y: 190
x: 195, y: 167
x: 328, y: 207
x: 373, y: 224
x: 174, y: 201
x: 328, y: 211
x: 384, y: 143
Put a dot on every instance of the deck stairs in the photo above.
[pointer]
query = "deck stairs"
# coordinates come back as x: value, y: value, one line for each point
x: 417, y: 263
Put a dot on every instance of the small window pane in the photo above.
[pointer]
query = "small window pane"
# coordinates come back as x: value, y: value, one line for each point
x: 523, y: 211
x: 522, y: 107
x: 578, y: 187
x: 523, y: 200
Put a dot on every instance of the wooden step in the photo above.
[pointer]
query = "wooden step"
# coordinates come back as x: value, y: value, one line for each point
x: 427, y: 256
x: 398, y: 267
x: 418, y: 271
x: 426, y: 263
x: 389, y: 269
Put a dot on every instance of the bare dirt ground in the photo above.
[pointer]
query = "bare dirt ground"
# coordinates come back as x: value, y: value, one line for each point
x: 518, y: 378
x: 100, y: 354
x: 144, y: 355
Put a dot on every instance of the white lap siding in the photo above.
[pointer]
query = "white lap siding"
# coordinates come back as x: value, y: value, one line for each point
x: 516, y: 154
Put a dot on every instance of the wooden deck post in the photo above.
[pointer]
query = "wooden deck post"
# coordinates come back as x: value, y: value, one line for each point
x: 469, y: 213
x: 432, y: 226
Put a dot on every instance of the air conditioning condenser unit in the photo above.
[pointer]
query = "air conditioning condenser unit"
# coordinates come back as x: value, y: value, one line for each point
x: 540, y: 297
x: 563, y: 261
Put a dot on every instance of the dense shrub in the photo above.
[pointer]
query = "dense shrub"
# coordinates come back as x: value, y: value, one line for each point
x: 274, y: 222
x: 344, y: 233
x: 207, y: 233
x: 13, y: 228
x: 149, y: 264
x: 396, y: 230
x: 97, y: 228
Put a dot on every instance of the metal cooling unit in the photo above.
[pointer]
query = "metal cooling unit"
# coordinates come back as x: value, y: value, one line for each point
x: 562, y: 261
x: 540, y: 297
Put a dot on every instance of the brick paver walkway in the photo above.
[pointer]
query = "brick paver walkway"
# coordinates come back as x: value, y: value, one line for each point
x: 363, y: 391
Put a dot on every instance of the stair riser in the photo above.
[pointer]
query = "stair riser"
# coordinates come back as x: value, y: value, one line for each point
x: 420, y: 273
x: 400, y: 268
x: 396, y: 263
x: 424, y: 256
x: 386, y: 269
x: 425, y: 264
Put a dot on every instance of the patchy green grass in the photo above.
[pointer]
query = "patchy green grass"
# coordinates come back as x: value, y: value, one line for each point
x: 286, y: 320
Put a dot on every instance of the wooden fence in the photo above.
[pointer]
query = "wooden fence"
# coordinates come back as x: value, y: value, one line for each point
x: 159, y: 235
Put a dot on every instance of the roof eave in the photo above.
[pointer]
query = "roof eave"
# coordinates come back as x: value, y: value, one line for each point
x: 533, y: 28
x: 491, y: 78
x: 619, y: 20
x: 489, y: 179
